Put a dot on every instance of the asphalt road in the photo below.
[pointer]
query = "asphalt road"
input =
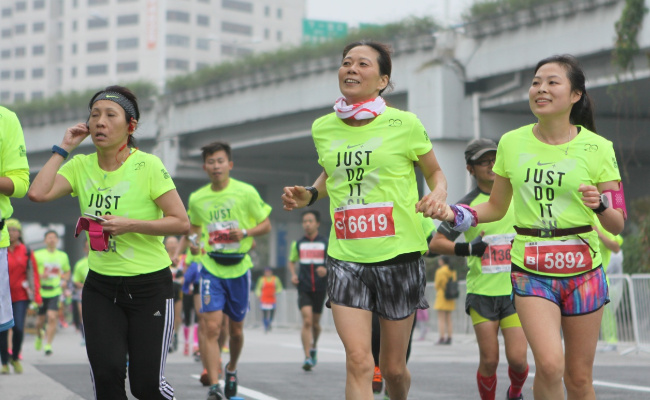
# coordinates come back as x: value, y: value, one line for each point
x: 270, y: 369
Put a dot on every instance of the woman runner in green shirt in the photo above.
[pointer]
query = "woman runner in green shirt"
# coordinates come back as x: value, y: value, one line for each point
x: 368, y: 152
x: 127, y: 297
x: 558, y: 173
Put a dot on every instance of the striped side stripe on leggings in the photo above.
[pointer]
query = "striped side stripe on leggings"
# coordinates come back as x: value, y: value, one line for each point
x: 165, y: 389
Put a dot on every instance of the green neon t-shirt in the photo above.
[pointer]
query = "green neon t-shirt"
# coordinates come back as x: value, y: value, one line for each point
x: 606, y: 253
x: 293, y: 253
x: 428, y: 227
x: 239, y: 206
x: 490, y: 275
x: 545, y: 180
x: 80, y: 271
x: 371, y: 184
x: 130, y: 191
x: 51, y: 265
x: 13, y: 158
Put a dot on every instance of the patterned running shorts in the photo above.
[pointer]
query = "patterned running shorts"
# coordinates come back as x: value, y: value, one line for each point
x: 392, y: 291
x: 575, y: 295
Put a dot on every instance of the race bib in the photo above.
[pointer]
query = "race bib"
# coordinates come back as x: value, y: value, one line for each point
x: 312, y: 253
x: 558, y: 256
x: 496, y: 258
x: 219, y: 235
x: 51, y: 271
x: 364, y: 221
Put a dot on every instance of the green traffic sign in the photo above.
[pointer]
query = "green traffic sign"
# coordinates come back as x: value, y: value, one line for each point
x: 318, y: 31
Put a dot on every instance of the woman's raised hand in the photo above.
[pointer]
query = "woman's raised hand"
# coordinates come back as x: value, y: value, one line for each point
x: 74, y: 135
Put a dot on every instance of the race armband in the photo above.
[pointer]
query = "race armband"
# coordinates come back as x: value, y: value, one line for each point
x: 464, y: 217
x: 617, y: 198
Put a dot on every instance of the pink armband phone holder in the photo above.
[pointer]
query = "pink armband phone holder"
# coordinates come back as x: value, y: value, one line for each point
x: 617, y: 198
x: 98, y: 239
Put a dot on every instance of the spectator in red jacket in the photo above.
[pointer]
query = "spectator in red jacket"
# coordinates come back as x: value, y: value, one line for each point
x: 24, y: 284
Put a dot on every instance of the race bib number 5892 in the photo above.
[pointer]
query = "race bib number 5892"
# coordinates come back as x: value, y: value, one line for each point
x: 558, y: 256
x: 364, y: 221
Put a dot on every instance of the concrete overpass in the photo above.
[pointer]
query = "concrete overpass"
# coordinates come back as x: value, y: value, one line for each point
x: 463, y: 83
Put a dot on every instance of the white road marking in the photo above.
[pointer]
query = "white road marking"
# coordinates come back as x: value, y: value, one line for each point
x: 250, y: 393
x: 616, y: 385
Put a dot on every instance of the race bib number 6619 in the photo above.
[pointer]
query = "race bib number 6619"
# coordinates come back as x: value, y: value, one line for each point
x: 364, y: 221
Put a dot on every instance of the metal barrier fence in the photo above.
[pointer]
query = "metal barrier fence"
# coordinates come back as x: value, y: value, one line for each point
x: 630, y: 303
x: 625, y: 320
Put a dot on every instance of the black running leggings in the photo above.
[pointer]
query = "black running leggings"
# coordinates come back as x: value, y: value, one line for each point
x: 188, y: 309
x: 376, y: 339
x: 134, y: 316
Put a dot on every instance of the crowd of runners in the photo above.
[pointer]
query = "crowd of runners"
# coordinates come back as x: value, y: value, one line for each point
x: 532, y: 228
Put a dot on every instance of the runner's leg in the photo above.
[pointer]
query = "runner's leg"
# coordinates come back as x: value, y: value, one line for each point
x: 306, y: 334
x: 354, y: 328
x: 540, y: 319
x: 212, y: 330
x: 395, y: 337
x: 580, y: 339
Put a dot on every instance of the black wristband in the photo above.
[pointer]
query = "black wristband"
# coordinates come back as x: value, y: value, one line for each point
x: 58, y: 150
x: 314, y: 194
x: 461, y: 249
x: 601, y: 208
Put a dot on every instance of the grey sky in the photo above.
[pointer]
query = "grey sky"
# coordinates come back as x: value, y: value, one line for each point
x: 383, y: 11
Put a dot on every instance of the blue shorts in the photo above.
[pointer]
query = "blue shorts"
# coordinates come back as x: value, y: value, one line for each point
x: 575, y: 295
x: 227, y: 295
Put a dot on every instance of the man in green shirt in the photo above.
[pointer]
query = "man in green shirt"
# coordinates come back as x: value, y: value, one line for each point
x: 488, y: 301
x: 227, y: 214
x: 54, y: 273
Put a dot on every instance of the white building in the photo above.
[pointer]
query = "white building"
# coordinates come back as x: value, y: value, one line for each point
x: 50, y: 46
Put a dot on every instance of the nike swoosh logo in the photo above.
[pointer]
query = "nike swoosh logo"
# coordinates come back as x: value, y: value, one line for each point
x: 351, y: 147
x: 108, y: 96
x: 101, y: 190
x: 546, y: 163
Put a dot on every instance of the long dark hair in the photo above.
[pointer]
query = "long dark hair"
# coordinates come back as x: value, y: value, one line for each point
x: 582, y: 112
x: 126, y: 92
x: 383, y: 59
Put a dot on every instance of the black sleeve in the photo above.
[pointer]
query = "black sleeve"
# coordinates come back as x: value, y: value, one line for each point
x: 445, y: 229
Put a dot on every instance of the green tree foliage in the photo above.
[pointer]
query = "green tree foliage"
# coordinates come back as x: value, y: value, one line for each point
x: 288, y: 57
x: 636, y: 247
x: 63, y: 105
x: 494, y: 8
x: 627, y: 106
x: 627, y: 30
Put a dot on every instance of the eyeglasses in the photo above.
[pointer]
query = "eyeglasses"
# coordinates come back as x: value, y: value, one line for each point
x: 486, y: 162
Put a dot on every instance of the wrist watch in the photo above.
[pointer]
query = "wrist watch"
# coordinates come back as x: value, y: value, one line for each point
x: 604, y: 204
x: 245, y: 232
x: 314, y: 194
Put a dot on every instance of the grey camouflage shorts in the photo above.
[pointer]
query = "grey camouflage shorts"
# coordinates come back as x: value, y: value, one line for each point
x: 392, y: 291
